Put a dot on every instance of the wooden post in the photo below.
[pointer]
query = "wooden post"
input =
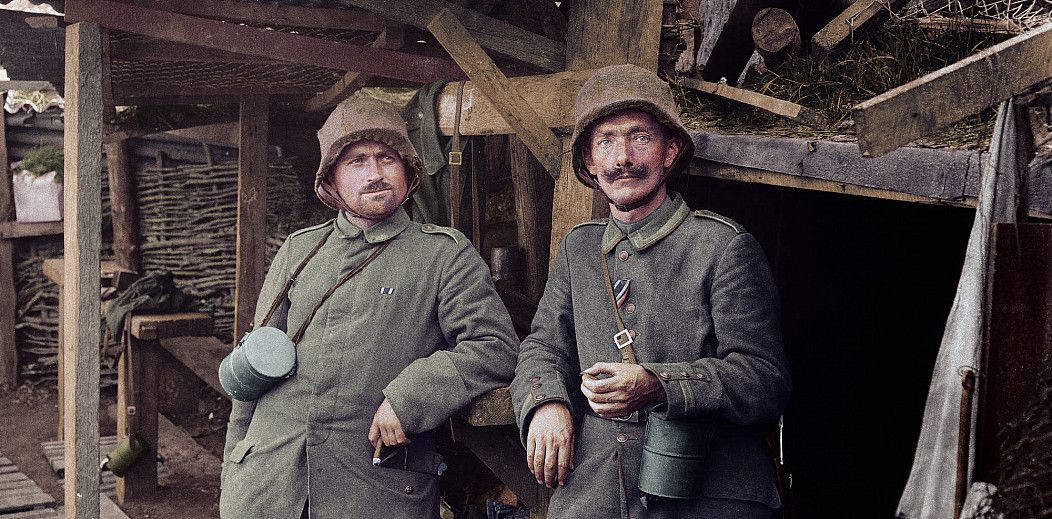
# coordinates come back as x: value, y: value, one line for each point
x: 590, y: 43
x: 8, y: 296
x: 139, y: 364
x: 82, y: 239
x: 123, y: 206
x: 533, y: 206
x: 251, y: 209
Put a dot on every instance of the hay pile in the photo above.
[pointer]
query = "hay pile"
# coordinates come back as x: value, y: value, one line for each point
x: 899, y: 53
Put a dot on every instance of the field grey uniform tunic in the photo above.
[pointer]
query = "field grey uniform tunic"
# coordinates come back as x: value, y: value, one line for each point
x: 704, y: 311
x: 422, y: 324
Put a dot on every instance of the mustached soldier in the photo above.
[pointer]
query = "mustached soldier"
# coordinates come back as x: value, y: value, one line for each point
x: 659, y: 327
x: 413, y: 337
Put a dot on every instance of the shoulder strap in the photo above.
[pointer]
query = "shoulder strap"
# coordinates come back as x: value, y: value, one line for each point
x: 622, y: 339
x: 288, y: 283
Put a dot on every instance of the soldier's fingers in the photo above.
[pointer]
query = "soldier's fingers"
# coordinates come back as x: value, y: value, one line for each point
x: 551, y: 464
x: 530, y: 441
x: 610, y: 368
x: 565, y: 457
x: 400, y: 436
x: 374, y: 433
x: 538, y: 462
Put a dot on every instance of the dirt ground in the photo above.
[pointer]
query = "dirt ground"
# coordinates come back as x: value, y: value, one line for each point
x: 29, y: 416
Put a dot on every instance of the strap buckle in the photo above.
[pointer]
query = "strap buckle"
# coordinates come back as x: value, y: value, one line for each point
x: 622, y: 339
x: 456, y: 158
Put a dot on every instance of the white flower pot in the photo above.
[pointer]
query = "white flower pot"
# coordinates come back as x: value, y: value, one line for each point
x: 37, y: 198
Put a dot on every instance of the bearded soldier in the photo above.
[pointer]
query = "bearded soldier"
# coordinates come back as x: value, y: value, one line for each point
x: 658, y: 333
x: 415, y: 335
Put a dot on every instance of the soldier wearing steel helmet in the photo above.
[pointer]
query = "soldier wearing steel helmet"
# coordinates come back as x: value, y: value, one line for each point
x: 413, y: 337
x: 681, y: 327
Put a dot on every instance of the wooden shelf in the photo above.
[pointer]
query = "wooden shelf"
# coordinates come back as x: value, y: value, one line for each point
x: 12, y: 230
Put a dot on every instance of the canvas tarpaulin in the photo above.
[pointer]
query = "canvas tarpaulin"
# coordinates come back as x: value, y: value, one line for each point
x: 929, y: 492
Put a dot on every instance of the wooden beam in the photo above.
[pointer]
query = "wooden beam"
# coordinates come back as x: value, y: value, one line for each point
x: 550, y: 96
x: 857, y: 19
x: 393, y: 37
x: 131, y: 129
x: 251, y: 210
x: 25, y: 85
x: 293, y: 48
x: 611, y: 32
x: 499, y: 449
x: 160, y: 50
x: 138, y: 371
x: 572, y: 202
x: 270, y: 15
x: 734, y: 46
x: 533, y: 209
x: 493, y: 408
x: 952, y: 93
x: 31, y: 54
x: 13, y: 230
x: 8, y: 296
x: 124, y: 206
x: 493, y: 34
x: 789, y: 110
x: 82, y: 239
x: 529, y: 126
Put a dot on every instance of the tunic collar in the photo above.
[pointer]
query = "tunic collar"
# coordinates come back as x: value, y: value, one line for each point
x: 380, y: 232
x: 665, y: 219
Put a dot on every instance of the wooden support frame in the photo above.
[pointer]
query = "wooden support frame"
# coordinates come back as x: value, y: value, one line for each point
x: 391, y: 38
x: 82, y: 237
x: 533, y: 208
x: 529, y: 126
x: 137, y: 406
x: 492, y: 446
x: 859, y: 17
x: 943, y: 97
x: 789, y: 110
x: 293, y: 48
x: 251, y: 210
x: 493, y: 34
x: 256, y: 13
x: 124, y: 207
x: 8, y: 296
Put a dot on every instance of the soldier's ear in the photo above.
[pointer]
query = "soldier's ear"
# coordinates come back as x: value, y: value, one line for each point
x: 672, y: 148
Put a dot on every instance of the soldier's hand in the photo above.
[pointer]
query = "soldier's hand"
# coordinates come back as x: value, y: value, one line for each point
x: 549, y: 444
x: 614, y: 389
x: 387, y: 426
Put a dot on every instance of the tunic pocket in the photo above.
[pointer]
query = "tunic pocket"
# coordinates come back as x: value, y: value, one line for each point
x: 240, y: 450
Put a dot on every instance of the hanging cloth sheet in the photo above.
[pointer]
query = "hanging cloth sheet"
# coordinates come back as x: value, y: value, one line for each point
x: 930, y: 490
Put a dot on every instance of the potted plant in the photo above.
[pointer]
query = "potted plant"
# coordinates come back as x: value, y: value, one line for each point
x: 37, y: 183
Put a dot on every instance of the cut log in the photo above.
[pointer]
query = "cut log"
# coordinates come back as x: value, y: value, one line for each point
x: 776, y: 36
x: 734, y: 47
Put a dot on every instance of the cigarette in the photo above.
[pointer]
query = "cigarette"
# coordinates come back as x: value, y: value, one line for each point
x: 376, y: 453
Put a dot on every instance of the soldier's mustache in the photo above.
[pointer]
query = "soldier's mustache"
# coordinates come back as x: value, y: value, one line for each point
x: 631, y: 171
x: 377, y: 185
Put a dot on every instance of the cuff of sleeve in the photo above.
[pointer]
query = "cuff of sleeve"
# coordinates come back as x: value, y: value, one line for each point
x: 684, y: 385
x: 542, y: 390
x: 419, y: 409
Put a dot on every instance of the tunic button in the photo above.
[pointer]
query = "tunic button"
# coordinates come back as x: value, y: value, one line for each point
x: 665, y: 375
x: 540, y: 397
x: 536, y: 385
x: 684, y: 374
x: 622, y: 438
x: 630, y: 308
x: 535, y: 379
x: 701, y: 376
x: 632, y: 333
x: 623, y: 255
x: 409, y: 489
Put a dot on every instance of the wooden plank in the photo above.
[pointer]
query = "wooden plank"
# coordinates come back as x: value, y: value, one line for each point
x: 293, y: 48
x: 858, y: 18
x: 8, y: 309
x: 493, y: 408
x: 201, y: 355
x: 251, y: 210
x: 1018, y: 334
x: 789, y: 110
x: 31, y: 54
x: 499, y: 449
x: 41, y: 513
x: 551, y: 97
x: 160, y: 50
x: 493, y: 34
x: 269, y: 14
x: 164, y: 326
x: 137, y: 375
x: 13, y: 229
x: 25, y: 85
x: 952, y: 93
x: 533, y: 131
x: 572, y: 202
x: 964, y: 24
x: 734, y: 46
x: 393, y: 37
x: 82, y: 237
x: 22, y: 502
x: 610, y: 32
x: 54, y: 269
x: 125, y: 131
x: 124, y: 206
x: 533, y: 190
x: 7, y: 200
